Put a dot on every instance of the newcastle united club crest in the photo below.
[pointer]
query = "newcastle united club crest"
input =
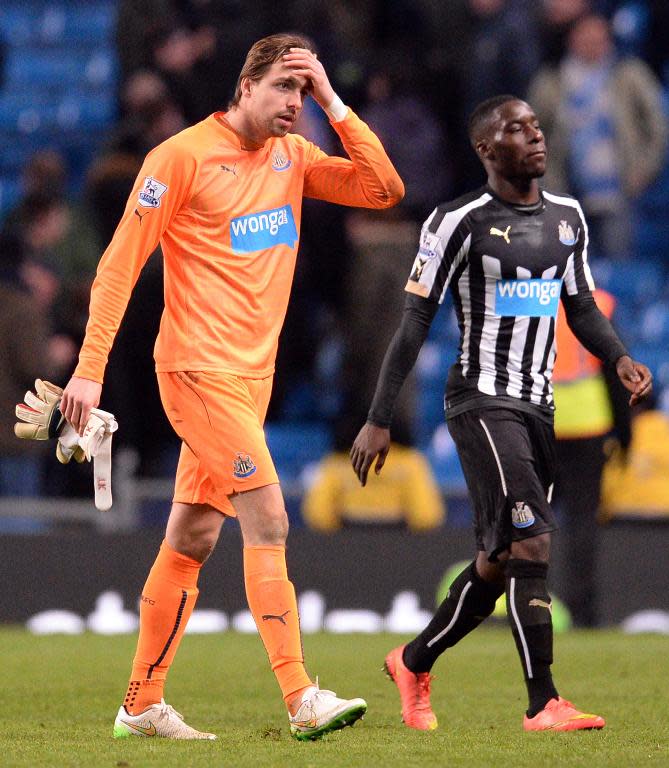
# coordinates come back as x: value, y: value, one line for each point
x: 243, y: 466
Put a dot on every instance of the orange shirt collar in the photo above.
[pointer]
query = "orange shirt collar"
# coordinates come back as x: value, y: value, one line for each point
x: 245, y: 144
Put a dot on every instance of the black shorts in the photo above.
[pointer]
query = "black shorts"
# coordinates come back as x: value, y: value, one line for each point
x: 508, y: 459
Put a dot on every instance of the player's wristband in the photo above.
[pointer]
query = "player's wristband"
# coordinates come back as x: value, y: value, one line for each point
x: 336, y: 109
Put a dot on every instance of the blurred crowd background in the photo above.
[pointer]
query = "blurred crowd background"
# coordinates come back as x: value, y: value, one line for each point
x: 87, y: 88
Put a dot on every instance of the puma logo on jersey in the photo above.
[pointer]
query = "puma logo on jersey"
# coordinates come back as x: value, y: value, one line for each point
x: 268, y: 616
x: 140, y: 216
x: 499, y: 233
x: 535, y: 602
x: 230, y: 169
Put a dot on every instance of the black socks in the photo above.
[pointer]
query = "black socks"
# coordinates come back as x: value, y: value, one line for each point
x: 529, y: 610
x: 469, y: 601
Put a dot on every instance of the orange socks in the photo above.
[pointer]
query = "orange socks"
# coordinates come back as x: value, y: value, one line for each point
x: 272, y: 601
x: 167, y: 602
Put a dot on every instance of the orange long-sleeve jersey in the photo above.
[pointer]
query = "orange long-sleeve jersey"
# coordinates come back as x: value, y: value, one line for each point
x: 228, y: 221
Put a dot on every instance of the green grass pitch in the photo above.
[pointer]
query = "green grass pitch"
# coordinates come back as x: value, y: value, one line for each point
x: 59, y: 696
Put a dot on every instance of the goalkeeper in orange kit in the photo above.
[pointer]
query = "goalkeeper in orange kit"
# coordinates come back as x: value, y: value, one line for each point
x: 224, y: 200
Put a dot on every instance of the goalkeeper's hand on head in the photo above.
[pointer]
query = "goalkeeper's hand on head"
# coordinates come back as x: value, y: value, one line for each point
x: 41, y: 419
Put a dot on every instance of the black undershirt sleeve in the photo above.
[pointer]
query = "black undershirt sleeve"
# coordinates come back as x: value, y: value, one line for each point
x: 622, y: 413
x: 592, y: 328
x: 400, y: 357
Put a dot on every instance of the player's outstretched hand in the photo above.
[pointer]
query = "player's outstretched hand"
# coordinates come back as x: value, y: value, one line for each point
x: 306, y: 64
x: 372, y: 441
x: 636, y: 378
x: 79, y: 396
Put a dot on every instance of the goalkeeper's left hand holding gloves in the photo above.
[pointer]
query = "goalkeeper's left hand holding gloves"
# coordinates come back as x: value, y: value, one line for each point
x: 41, y: 419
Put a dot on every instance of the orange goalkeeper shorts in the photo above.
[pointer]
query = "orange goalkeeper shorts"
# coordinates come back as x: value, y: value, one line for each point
x: 219, y: 418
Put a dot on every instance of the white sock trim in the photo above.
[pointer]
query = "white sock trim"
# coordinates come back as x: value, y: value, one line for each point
x: 514, y: 613
x: 458, y: 609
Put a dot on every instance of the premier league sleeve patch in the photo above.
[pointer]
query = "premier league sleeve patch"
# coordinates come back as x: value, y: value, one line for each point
x: 151, y: 192
x: 431, y: 246
x: 426, y: 264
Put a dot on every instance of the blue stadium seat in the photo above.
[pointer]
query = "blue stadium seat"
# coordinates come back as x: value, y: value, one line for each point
x: 655, y: 325
x: 27, y: 67
x: 445, y: 463
x: 627, y: 322
x: 59, y: 91
x: 101, y: 69
x: 652, y: 214
x: 16, y: 149
x: 13, y: 105
x: 84, y: 110
x: 293, y: 445
x: 434, y: 361
x: 17, y: 23
x: 630, y: 25
x: 652, y: 235
x: 59, y: 69
x: 26, y: 116
x: 10, y: 192
x: 444, y: 328
x: 83, y: 22
x: 429, y: 410
x: 655, y: 199
x: 638, y: 282
x: 656, y: 357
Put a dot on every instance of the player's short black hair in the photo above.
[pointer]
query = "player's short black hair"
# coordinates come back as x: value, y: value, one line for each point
x: 482, y: 113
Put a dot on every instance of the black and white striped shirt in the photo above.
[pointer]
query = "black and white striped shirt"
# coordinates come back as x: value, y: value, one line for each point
x: 507, y: 267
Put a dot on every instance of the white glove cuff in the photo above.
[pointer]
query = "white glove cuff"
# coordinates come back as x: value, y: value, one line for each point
x: 97, y: 443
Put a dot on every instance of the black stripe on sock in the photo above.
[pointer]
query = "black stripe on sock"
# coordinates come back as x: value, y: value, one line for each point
x: 182, y: 605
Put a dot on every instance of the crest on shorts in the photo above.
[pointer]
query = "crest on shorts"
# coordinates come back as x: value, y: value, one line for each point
x: 521, y: 515
x: 243, y: 466
x: 151, y: 192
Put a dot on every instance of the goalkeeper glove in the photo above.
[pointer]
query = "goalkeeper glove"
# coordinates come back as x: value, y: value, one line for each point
x: 41, y: 419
